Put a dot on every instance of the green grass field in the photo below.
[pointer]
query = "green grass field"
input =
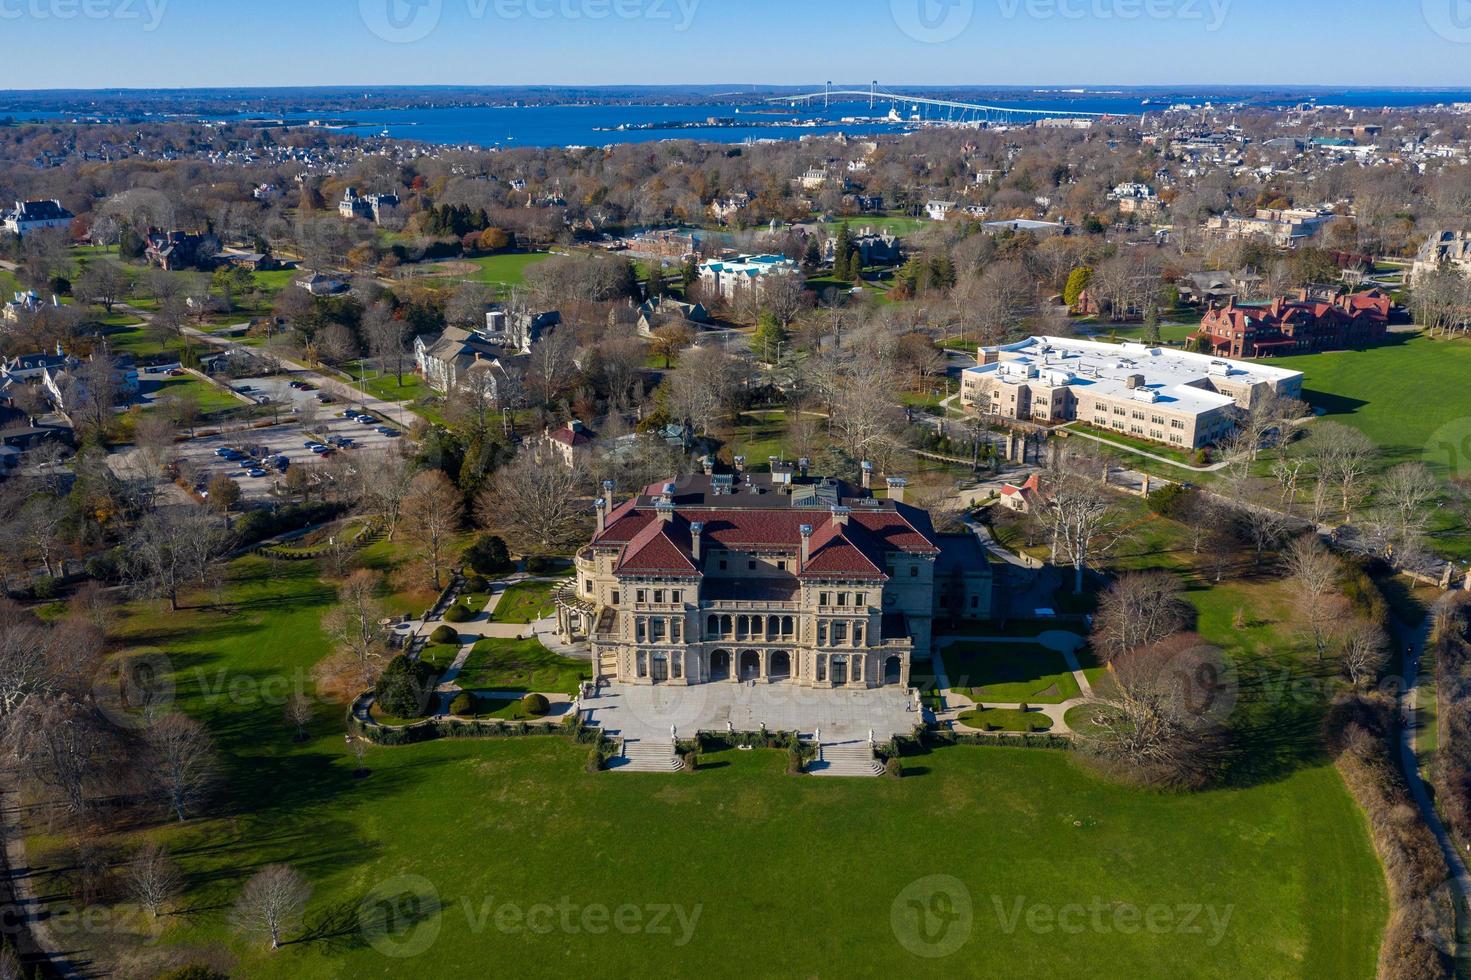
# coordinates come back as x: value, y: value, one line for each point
x: 1009, y: 673
x: 1409, y: 396
x: 521, y: 665
x: 1007, y: 720
x: 1273, y: 877
x: 508, y: 269
x: 526, y: 602
x: 212, y: 399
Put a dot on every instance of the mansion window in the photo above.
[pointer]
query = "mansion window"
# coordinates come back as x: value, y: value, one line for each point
x: 659, y: 597
x: 616, y: 597
x: 821, y: 636
x: 677, y: 597
x: 840, y: 634
x: 642, y: 596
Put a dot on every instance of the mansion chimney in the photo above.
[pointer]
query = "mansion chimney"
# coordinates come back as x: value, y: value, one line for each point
x: 602, y: 506
x: 841, y: 515
x: 740, y: 464
x: 897, y: 485
x: 697, y: 534
x: 806, y: 531
x: 867, y: 468
x: 665, y: 510
x: 707, y: 463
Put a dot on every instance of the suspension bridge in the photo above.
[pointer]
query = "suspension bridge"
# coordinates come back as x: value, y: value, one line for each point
x: 924, y: 109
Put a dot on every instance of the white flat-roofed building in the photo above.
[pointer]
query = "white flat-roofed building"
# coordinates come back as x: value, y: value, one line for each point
x: 1172, y: 397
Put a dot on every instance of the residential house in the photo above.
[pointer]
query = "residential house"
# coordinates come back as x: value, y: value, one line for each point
x: 30, y: 216
x: 665, y: 310
x: 175, y: 250
x: 373, y: 207
x: 322, y: 285
x: 1024, y: 498
x: 939, y: 210
x: 23, y: 306
x: 1302, y: 325
x: 448, y: 360
x: 570, y: 444
x: 874, y: 248
x: 518, y: 329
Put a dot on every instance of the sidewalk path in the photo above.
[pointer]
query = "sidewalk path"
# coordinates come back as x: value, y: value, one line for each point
x: 1410, y: 763
x: 1060, y: 641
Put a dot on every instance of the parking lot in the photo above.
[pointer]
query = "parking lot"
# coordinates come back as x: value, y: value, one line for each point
x: 320, y: 424
x: 287, y: 441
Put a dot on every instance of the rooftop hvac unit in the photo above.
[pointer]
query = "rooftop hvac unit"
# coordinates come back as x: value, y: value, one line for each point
x: 1148, y: 395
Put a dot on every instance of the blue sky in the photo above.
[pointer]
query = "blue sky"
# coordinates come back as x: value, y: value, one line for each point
x: 184, y: 43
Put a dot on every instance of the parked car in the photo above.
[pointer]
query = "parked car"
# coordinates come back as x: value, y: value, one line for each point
x: 257, y: 474
x: 322, y: 450
x: 386, y: 432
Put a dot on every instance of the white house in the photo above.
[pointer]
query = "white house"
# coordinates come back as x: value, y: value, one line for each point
x: 939, y: 210
x: 30, y: 216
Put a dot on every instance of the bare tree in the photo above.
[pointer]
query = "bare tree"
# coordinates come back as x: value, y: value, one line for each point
x: 701, y: 391
x: 355, y: 626
x: 1158, y: 713
x: 1404, y: 499
x: 181, y: 762
x: 165, y: 554
x: 386, y: 338
x: 272, y: 902
x: 1138, y: 610
x: 535, y: 503
x: 61, y: 744
x: 1343, y: 458
x: 1365, y: 651
x: 1081, y: 516
x: 433, y: 512
x: 1319, y: 602
x: 154, y: 880
x: 299, y: 714
x: 393, y: 475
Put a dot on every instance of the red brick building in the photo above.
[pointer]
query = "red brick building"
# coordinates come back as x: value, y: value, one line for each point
x: 1295, y: 326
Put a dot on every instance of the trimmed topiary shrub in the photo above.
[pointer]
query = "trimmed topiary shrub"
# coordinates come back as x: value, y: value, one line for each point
x: 540, y: 565
x: 477, y: 583
x: 488, y: 556
x: 894, y: 769
x: 458, y: 614
x: 536, y: 705
x: 463, y: 704
x: 444, y: 634
x: 405, y: 688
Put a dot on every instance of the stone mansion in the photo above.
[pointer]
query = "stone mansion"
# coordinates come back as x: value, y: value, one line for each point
x: 771, y: 577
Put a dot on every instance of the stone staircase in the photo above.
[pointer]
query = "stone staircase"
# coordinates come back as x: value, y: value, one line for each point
x: 646, y: 756
x: 845, y: 759
x: 608, y: 665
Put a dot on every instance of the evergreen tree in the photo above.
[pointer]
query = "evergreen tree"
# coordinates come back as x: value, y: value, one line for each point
x: 1151, y: 326
x: 1077, y: 281
x: 769, y: 340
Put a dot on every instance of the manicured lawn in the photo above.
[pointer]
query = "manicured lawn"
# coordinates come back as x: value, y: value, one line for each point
x: 439, y: 655
x: 508, y: 269
x: 387, y: 387
x: 1009, y: 673
x: 501, y: 708
x: 1408, y: 395
x: 212, y: 400
x: 1007, y: 720
x: 521, y: 665
x: 1284, y: 863
x: 525, y: 602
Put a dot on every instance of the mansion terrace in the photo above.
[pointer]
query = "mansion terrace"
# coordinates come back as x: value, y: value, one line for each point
x: 769, y: 577
x: 1180, y: 399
